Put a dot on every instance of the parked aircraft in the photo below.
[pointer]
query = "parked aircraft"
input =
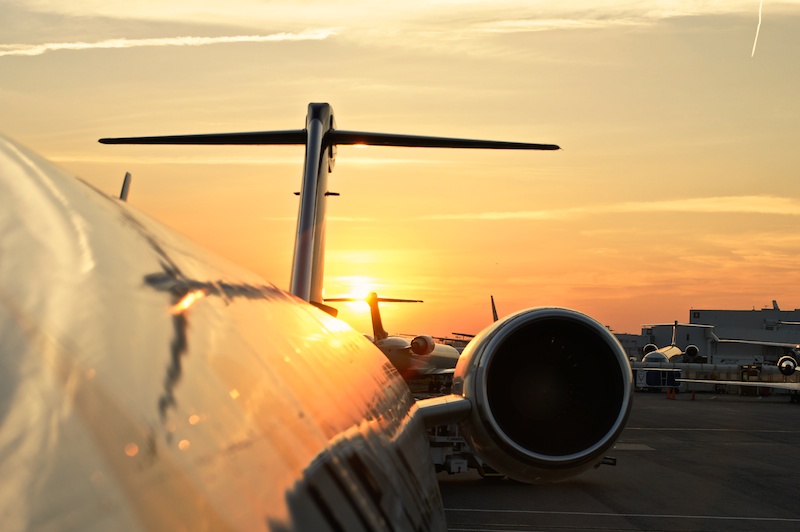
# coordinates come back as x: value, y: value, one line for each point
x: 669, y: 353
x: 420, y: 356
x: 660, y: 368
x: 147, y: 384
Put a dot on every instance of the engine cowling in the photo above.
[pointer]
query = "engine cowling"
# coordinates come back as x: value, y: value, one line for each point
x: 550, y: 389
x: 423, y: 345
x: 692, y: 351
x: 787, y: 365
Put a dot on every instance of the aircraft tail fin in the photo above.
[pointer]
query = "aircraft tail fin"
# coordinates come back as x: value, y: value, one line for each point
x: 320, y: 138
x: 372, y: 300
x: 494, y: 310
x: 674, y: 333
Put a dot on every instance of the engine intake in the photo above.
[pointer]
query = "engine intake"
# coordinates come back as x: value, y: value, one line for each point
x: 787, y: 365
x: 550, y: 390
x: 423, y: 345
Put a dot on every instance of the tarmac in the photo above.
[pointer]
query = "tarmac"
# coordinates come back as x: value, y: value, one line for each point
x: 715, y: 462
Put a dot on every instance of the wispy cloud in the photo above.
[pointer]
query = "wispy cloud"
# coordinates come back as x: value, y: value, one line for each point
x: 39, y: 49
x: 713, y: 205
x: 400, y: 23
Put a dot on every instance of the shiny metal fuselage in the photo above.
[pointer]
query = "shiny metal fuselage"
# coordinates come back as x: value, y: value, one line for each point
x: 146, y: 384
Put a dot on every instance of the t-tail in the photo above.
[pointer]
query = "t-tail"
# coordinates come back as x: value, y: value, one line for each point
x: 372, y: 300
x: 320, y: 138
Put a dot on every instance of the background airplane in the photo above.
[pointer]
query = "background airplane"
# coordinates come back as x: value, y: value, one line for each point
x: 147, y: 384
x: 663, y: 368
x: 421, y: 356
x: 669, y: 353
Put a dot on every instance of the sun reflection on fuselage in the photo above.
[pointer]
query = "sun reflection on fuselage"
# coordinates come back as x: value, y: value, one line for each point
x: 187, y: 301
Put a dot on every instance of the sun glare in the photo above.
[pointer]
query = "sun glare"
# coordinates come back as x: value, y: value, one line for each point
x: 353, y: 286
x: 187, y: 301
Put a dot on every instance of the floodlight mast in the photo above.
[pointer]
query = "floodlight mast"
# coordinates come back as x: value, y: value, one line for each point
x: 320, y: 138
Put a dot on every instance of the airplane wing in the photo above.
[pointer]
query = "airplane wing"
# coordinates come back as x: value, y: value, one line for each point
x: 779, y: 385
x: 643, y: 367
x: 787, y: 345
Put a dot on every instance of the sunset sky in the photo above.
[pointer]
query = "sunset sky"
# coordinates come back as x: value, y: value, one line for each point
x: 678, y: 185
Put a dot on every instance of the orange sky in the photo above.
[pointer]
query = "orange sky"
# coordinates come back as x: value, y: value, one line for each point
x: 676, y: 186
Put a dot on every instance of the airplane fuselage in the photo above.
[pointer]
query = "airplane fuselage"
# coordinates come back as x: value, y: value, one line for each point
x: 148, y: 385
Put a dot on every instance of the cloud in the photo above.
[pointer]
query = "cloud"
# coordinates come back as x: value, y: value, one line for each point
x: 39, y: 49
x: 398, y: 23
x: 714, y: 205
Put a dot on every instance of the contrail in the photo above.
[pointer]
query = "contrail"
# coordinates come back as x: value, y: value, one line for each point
x: 39, y: 49
x: 755, y: 41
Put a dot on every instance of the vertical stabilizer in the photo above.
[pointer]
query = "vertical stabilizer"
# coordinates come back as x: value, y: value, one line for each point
x: 378, y: 331
x: 494, y: 309
x: 308, y: 262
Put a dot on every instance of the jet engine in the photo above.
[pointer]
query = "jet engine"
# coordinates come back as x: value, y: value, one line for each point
x: 692, y: 351
x: 787, y: 365
x: 423, y: 345
x: 550, y: 390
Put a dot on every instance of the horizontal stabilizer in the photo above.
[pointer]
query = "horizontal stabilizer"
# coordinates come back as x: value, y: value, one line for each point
x: 340, y: 137
x: 379, y: 299
x: 333, y: 137
x: 253, y: 138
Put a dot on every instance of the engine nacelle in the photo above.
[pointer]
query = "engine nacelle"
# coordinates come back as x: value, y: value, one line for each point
x: 423, y: 345
x: 692, y: 351
x: 550, y: 389
x: 787, y: 365
x: 649, y: 348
